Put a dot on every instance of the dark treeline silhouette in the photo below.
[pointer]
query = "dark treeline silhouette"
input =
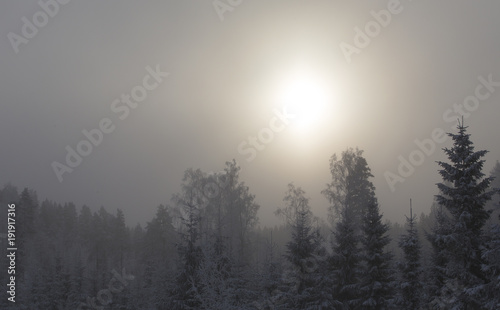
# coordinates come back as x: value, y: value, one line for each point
x: 205, y: 250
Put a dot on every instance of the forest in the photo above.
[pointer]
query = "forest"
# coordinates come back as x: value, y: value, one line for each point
x: 206, y: 249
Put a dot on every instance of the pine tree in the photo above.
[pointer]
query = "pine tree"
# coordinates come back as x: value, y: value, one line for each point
x: 85, y: 226
x: 345, y: 262
x: 159, y: 241
x: 191, y: 256
x: 217, y: 288
x: 491, y: 256
x: 121, y: 239
x: 377, y: 285
x: 495, y: 182
x: 464, y: 193
x: 439, y: 255
x: 410, y: 286
x: 26, y: 211
x: 270, y: 276
x: 494, y: 204
x: 304, y: 253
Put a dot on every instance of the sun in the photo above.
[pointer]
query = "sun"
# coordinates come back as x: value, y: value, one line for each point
x: 307, y: 98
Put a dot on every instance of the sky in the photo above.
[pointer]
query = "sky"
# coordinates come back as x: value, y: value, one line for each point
x: 279, y: 86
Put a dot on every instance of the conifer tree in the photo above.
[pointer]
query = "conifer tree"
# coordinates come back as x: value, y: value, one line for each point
x: 410, y: 286
x: 377, y: 285
x: 439, y: 254
x: 304, y: 252
x: 464, y: 193
x: 121, y: 238
x: 350, y: 194
x: 350, y: 186
x: 491, y: 256
x: 345, y: 262
x: 186, y: 294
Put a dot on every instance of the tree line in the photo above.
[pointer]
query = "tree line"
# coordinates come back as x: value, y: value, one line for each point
x: 205, y: 250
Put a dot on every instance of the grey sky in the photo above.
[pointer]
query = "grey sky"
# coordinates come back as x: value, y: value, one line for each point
x: 223, y: 78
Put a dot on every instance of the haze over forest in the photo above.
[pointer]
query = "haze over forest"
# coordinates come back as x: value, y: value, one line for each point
x: 229, y: 71
x: 234, y: 154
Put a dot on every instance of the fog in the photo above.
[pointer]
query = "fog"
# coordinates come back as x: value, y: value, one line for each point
x: 215, y: 74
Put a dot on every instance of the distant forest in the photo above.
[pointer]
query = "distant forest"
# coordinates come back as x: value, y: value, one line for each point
x: 205, y: 250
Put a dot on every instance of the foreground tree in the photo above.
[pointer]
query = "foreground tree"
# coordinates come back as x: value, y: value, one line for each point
x: 491, y: 267
x: 495, y: 183
x: 464, y: 193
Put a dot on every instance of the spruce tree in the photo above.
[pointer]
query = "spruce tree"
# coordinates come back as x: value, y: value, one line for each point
x: 494, y: 204
x: 464, y: 193
x: 491, y: 256
x: 121, y: 238
x: 377, y: 285
x: 439, y: 255
x: 345, y: 262
x: 495, y: 182
x: 410, y: 285
x: 304, y: 253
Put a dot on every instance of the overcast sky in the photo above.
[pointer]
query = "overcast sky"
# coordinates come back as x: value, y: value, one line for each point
x: 229, y: 66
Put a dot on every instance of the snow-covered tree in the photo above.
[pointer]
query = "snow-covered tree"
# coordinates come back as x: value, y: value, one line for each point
x: 26, y: 211
x: 218, y: 214
x: 121, y: 237
x: 218, y: 288
x: 410, y: 286
x: 491, y: 256
x: 495, y: 182
x: 345, y: 262
x: 355, y: 210
x: 439, y: 255
x: 305, y: 254
x: 270, y: 276
x: 191, y: 203
x: 494, y: 204
x: 158, y: 255
x: 160, y: 239
x: 350, y: 186
x: 239, y: 213
x: 464, y: 193
x: 377, y: 281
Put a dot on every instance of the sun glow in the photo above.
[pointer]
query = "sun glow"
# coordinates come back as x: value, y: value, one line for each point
x: 305, y: 97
